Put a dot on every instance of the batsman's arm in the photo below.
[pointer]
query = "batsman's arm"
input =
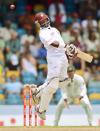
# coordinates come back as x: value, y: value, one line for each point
x: 55, y: 44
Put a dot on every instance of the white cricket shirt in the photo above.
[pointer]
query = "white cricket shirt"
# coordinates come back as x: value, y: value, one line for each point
x: 47, y: 37
x: 75, y: 87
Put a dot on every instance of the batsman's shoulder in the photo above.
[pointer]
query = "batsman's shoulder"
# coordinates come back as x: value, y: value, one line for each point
x: 42, y: 34
x: 55, y: 29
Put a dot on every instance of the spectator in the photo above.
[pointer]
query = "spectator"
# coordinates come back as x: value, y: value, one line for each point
x: 89, y: 22
x: 78, y: 41
x: 2, y: 60
x: 2, y: 94
x: 92, y: 43
x: 42, y: 52
x: 57, y: 12
x: 88, y: 6
x: 85, y: 34
x: 6, y: 31
x: 70, y: 35
x: 98, y: 9
x: 66, y: 33
x: 29, y: 63
x: 2, y: 42
x: 34, y: 48
x: 27, y: 39
x: 95, y: 65
x: 13, y: 62
x: 13, y: 91
x: 69, y: 19
x: 70, y: 6
x: 76, y: 21
x: 42, y: 75
x: 14, y: 43
x: 26, y: 23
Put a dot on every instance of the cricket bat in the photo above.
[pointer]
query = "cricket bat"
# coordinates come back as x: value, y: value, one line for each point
x: 84, y: 56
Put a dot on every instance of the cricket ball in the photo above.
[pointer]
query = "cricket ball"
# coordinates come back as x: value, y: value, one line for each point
x: 12, y: 6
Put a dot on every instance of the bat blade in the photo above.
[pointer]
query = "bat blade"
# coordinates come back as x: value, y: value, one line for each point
x: 84, y: 56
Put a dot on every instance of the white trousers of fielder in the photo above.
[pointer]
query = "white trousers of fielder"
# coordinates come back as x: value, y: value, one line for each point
x: 85, y: 104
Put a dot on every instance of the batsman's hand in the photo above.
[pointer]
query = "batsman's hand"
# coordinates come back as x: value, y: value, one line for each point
x: 71, y: 51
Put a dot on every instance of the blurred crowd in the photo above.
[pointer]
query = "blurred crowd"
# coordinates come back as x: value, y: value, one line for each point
x: 22, y: 55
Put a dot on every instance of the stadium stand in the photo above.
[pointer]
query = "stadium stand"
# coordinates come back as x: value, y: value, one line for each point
x: 20, y: 47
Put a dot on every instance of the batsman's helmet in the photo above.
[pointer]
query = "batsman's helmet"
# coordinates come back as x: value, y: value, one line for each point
x: 42, y: 19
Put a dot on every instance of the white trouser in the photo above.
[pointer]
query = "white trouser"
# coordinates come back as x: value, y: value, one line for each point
x: 85, y: 103
x: 57, y: 67
x: 57, y: 70
x: 87, y: 107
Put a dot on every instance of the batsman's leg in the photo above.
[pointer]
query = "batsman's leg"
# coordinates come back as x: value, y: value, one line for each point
x: 88, y: 109
x: 36, y: 92
x: 45, y: 93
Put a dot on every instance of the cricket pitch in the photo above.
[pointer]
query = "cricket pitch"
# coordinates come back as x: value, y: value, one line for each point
x: 49, y: 128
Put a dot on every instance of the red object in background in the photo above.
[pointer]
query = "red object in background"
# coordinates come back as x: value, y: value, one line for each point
x: 13, y: 120
x: 58, y: 19
x: 35, y: 118
x: 24, y: 107
x: 99, y: 122
x: 75, y: 15
x: 1, y: 123
x: 30, y: 107
x: 29, y: 7
x: 41, y: 122
x: 52, y: 1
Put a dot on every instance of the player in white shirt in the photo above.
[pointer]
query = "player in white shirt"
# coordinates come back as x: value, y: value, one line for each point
x: 56, y: 59
x: 74, y: 88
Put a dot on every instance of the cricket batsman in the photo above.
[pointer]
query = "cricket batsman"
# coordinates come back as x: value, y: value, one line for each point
x: 56, y: 60
x: 74, y: 88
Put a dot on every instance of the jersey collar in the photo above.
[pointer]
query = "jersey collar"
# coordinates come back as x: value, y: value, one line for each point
x: 49, y: 27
